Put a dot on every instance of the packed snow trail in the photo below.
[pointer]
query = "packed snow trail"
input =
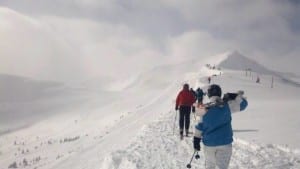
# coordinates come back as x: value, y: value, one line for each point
x: 119, y: 135
x: 157, y: 147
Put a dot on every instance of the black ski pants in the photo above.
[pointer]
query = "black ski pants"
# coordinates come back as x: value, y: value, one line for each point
x: 184, y: 118
x: 200, y: 100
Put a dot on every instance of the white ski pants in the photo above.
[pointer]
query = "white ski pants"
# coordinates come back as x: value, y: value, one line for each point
x: 217, y: 156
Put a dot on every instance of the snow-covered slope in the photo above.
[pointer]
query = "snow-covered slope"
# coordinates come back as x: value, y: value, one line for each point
x: 236, y: 61
x: 132, y: 126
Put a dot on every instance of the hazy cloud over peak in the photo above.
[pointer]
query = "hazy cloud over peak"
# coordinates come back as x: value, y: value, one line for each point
x: 94, y: 36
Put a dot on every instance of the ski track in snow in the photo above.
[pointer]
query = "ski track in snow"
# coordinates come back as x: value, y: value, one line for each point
x: 157, y: 148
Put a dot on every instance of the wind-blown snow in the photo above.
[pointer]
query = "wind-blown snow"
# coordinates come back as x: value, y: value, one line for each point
x: 24, y: 101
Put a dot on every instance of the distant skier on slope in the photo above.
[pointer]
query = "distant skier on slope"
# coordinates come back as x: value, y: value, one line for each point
x: 257, y: 79
x: 215, y: 128
x: 199, y: 95
x: 195, y: 95
x: 184, y: 102
x: 194, y: 92
x: 209, y: 79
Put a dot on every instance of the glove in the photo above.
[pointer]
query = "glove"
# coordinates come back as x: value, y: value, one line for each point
x: 176, y: 107
x: 193, y: 109
x: 196, y: 142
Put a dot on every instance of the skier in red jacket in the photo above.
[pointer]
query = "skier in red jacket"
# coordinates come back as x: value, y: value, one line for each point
x: 184, y: 102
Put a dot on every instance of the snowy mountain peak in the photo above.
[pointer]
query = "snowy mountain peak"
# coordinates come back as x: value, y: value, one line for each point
x: 236, y: 61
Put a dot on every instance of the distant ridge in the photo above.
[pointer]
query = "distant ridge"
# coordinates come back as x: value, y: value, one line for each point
x: 237, y: 61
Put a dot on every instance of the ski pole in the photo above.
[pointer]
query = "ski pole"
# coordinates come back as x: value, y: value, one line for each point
x: 189, y: 164
x: 174, y: 122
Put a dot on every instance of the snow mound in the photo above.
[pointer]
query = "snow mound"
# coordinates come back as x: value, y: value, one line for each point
x: 157, y: 147
x: 118, y: 161
x: 237, y: 61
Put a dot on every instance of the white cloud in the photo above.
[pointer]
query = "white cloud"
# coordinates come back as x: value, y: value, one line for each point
x: 72, y: 49
x: 196, y: 44
x: 29, y: 49
x: 82, y: 39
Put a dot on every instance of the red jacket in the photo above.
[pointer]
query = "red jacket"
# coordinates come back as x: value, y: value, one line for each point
x: 185, y: 98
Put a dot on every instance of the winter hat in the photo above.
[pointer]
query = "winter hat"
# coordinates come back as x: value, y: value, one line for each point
x: 214, y: 90
x: 186, y: 86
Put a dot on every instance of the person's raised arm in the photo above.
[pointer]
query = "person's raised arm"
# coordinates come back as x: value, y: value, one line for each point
x: 239, y: 103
